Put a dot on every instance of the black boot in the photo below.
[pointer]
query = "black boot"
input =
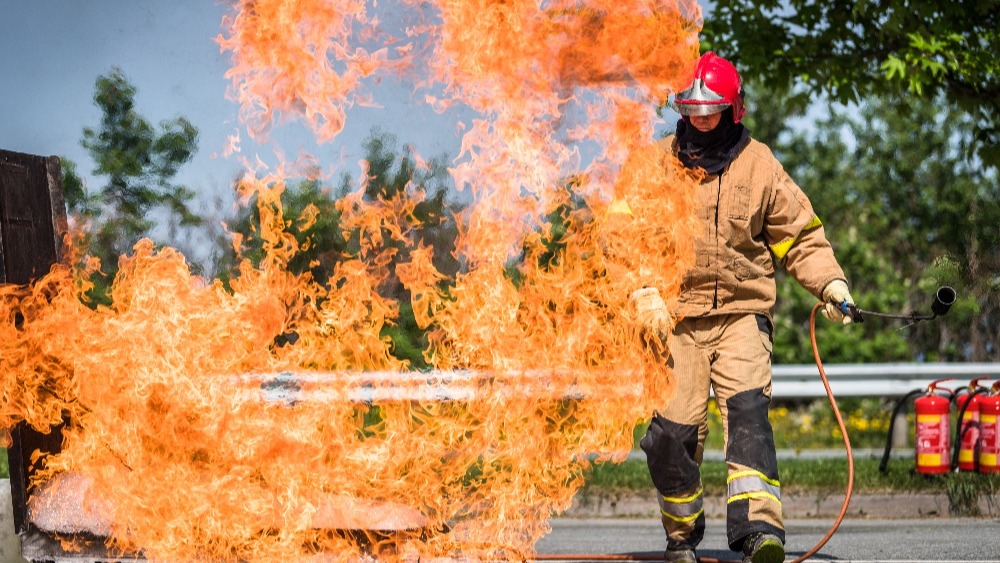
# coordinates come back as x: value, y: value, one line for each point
x: 679, y: 553
x: 763, y: 548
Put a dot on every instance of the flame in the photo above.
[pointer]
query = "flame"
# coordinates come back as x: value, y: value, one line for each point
x: 208, y: 441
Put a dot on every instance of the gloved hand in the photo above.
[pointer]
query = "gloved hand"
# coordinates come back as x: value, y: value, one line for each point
x: 651, y: 311
x: 834, y: 294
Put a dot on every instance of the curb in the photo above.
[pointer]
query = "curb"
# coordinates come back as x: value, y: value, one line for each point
x: 631, y: 504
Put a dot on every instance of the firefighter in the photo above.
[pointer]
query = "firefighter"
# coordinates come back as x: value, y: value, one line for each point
x: 754, y: 216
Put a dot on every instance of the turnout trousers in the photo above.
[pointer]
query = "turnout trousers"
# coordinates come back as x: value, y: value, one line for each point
x: 730, y: 354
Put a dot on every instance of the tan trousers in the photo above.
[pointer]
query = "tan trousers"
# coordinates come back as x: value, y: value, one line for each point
x: 730, y: 354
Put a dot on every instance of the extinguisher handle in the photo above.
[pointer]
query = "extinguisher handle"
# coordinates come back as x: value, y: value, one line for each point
x: 935, y: 385
x: 974, y: 384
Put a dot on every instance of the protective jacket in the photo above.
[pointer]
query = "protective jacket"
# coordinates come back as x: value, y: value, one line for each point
x: 754, y: 215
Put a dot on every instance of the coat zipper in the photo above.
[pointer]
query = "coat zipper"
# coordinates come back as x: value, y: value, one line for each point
x: 718, y: 202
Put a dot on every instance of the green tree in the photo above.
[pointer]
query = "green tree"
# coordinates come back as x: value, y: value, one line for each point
x: 906, y: 212
x: 390, y: 173
x: 78, y: 201
x: 139, y: 163
x: 851, y: 50
x: 321, y: 245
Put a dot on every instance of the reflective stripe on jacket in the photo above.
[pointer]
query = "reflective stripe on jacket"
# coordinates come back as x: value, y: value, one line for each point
x: 754, y: 215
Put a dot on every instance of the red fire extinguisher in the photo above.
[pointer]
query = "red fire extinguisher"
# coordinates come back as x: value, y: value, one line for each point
x: 933, y: 431
x: 967, y: 434
x: 989, y: 437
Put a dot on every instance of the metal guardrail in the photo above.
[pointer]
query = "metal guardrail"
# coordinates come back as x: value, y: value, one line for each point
x: 802, y: 381
x: 798, y: 381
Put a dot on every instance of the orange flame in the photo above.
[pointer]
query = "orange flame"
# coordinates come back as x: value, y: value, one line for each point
x: 206, y: 441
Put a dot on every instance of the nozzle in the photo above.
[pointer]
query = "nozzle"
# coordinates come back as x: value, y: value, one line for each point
x: 943, y: 300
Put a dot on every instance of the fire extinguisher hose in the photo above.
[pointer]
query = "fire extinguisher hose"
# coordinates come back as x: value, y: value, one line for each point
x: 962, y: 429
x: 900, y: 404
x: 803, y: 557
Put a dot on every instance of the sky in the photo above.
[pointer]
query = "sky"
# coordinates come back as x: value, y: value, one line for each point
x: 52, y: 51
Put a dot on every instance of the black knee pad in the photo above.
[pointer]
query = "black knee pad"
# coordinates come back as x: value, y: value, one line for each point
x: 670, y: 448
x: 751, y: 440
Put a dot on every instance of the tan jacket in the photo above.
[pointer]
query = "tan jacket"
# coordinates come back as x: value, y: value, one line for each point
x: 754, y: 214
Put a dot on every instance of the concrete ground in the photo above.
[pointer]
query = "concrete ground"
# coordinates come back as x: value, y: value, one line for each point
x: 927, y: 540
x: 10, y: 546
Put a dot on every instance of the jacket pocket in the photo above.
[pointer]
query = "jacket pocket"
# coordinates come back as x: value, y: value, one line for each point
x: 739, y: 203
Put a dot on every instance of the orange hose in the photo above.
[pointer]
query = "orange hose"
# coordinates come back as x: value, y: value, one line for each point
x: 806, y: 555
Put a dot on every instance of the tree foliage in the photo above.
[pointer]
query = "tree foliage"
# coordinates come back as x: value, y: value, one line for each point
x: 851, y: 50
x: 906, y: 213
x: 322, y: 244
x: 390, y: 174
x: 139, y: 163
x: 393, y: 174
x: 325, y: 243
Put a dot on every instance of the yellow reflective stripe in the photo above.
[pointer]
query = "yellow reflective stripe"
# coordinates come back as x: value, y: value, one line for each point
x: 780, y: 249
x: 682, y: 509
x: 752, y: 473
x: 754, y: 494
x: 813, y: 224
x: 682, y: 500
x: 690, y: 518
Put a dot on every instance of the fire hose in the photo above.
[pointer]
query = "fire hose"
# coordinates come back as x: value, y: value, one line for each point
x: 943, y: 300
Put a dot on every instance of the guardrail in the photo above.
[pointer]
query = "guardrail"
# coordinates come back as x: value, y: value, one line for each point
x: 802, y: 381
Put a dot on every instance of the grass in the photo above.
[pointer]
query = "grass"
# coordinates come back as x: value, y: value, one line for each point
x: 812, y: 475
x: 803, y: 426
x: 816, y: 476
x: 808, y: 425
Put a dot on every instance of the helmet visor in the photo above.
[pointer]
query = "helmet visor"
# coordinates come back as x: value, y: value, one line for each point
x: 699, y: 108
x: 699, y: 99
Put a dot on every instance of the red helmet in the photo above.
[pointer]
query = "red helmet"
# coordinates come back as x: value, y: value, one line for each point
x: 715, y: 87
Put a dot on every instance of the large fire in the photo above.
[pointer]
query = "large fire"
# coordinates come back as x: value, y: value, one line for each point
x: 199, y: 439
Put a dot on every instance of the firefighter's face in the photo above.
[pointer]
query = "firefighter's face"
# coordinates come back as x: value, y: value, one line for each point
x: 706, y: 123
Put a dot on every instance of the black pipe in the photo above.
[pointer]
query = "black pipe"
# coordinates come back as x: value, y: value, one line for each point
x: 959, y: 430
x: 892, y: 422
x: 944, y: 298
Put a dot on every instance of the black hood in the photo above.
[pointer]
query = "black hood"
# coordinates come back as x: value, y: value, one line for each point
x: 711, y: 150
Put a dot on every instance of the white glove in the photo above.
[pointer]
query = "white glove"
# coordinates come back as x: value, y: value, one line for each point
x: 834, y: 294
x: 651, y: 311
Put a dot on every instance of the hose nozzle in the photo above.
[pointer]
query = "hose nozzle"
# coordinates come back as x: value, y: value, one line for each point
x: 943, y: 300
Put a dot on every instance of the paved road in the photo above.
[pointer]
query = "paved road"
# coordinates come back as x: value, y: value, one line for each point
x: 925, y: 540
x: 936, y: 539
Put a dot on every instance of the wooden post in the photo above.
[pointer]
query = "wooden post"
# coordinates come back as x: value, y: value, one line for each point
x: 32, y: 229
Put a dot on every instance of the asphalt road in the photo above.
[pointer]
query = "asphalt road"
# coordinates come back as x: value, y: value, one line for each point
x: 929, y: 539
x: 924, y: 540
